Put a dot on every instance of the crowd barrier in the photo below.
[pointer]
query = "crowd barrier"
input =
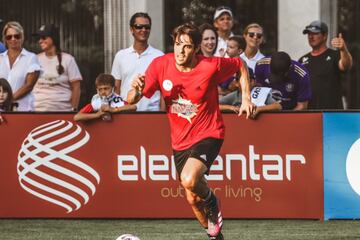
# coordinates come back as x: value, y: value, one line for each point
x: 342, y: 165
x: 272, y: 167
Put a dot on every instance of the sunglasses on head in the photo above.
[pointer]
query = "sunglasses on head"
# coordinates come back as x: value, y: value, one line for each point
x: 141, y: 26
x: 253, y: 34
x: 16, y: 36
x: 222, y: 8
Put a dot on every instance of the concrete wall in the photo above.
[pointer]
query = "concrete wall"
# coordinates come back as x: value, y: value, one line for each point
x: 293, y: 16
x: 117, y: 35
x: 155, y: 8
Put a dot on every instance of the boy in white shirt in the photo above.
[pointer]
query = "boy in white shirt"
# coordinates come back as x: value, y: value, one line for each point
x: 105, y: 102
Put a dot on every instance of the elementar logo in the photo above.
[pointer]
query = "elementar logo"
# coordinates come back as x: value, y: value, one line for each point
x: 47, y: 170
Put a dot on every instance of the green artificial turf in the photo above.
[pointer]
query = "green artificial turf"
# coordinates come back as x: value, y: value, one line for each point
x: 54, y: 229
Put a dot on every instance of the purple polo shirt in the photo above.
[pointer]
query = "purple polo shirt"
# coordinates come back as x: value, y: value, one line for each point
x: 296, y: 89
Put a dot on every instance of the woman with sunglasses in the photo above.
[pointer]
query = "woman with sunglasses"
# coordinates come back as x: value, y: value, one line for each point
x: 58, y: 87
x: 209, y: 40
x: 20, y: 67
x: 254, y: 37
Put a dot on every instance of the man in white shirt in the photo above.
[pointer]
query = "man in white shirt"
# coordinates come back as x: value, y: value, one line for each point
x: 132, y: 61
x: 223, y: 21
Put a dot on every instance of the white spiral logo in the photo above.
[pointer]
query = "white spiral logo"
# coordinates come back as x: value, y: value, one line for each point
x: 47, y: 171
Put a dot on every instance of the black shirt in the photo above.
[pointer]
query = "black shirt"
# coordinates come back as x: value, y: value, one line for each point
x: 325, y: 79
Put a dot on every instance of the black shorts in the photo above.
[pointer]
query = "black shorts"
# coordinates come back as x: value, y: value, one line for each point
x: 205, y: 150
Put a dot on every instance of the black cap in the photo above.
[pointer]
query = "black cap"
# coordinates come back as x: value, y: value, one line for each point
x: 48, y: 30
x: 316, y: 27
x: 279, y: 65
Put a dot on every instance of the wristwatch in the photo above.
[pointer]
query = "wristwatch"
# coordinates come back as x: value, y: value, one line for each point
x: 74, y: 109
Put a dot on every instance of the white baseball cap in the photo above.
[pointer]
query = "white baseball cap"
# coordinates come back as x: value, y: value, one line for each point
x: 221, y: 10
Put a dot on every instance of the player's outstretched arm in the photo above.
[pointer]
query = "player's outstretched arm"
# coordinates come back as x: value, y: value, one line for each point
x: 137, y: 86
x: 247, y: 106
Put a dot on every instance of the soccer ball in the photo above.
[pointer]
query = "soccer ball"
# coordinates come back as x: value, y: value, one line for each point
x: 128, y: 237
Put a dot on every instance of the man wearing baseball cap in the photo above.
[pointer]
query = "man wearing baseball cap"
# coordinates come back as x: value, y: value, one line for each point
x: 325, y: 66
x: 223, y: 22
x: 288, y: 79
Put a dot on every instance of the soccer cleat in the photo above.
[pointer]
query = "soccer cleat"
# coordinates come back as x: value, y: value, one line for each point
x: 214, y: 216
x: 218, y: 237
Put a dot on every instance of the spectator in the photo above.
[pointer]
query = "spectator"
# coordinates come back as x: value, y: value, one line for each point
x: 254, y: 37
x: 288, y: 79
x: 130, y: 62
x: 235, y: 46
x: 209, y: 40
x: 19, y: 66
x: 325, y: 65
x: 105, y: 102
x: 2, y: 46
x: 260, y: 96
x: 58, y: 87
x: 6, y: 96
x: 223, y: 21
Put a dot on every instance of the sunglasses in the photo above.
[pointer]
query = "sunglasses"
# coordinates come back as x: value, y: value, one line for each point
x: 43, y: 37
x: 222, y: 8
x: 15, y: 36
x: 141, y: 26
x: 253, y: 34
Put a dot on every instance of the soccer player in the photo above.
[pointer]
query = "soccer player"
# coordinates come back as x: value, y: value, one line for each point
x: 188, y: 83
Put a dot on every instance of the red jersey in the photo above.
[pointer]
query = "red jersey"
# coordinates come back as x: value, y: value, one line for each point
x: 191, y: 98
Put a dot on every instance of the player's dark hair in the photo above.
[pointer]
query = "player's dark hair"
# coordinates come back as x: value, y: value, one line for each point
x: 188, y: 29
x: 8, y: 103
x: 240, y: 40
x: 139, y: 14
x: 105, y: 79
x: 207, y: 26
